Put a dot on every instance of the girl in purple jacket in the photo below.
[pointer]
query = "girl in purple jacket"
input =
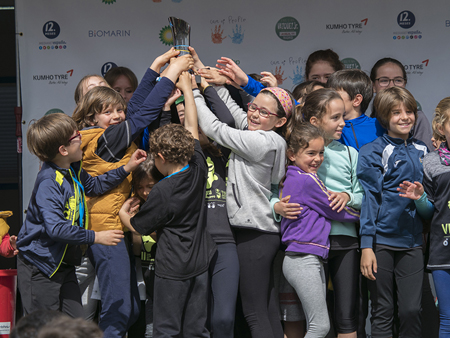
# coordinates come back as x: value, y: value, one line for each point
x: 306, y: 237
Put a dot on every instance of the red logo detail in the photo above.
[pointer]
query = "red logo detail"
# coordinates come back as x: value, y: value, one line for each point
x: 70, y: 71
x: 426, y: 62
x: 365, y: 21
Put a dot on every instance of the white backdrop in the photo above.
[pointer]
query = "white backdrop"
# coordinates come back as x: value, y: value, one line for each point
x: 64, y: 40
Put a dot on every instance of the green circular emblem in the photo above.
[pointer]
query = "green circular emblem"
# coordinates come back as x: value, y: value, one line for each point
x: 287, y: 28
x: 165, y: 36
x: 351, y: 63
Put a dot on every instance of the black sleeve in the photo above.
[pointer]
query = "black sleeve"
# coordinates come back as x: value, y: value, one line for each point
x: 114, y: 142
x: 218, y: 107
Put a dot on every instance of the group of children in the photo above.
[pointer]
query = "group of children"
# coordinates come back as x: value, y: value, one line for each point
x: 244, y: 172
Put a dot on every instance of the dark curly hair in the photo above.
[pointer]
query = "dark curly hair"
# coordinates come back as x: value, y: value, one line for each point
x: 173, y: 142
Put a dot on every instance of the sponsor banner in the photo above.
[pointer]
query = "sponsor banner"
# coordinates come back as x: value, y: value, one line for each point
x: 62, y: 42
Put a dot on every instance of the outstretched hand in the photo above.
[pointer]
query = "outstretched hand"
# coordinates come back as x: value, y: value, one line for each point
x: 230, y: 69
x: 184, y: 82
x: 175, y: 95
x: 108, y: 237
x: 161, y: 60
x: 411, y: 190
x: 198, y: 64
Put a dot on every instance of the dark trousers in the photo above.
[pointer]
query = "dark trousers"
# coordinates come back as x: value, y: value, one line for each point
x: 406, y: 267
x: 39, y: 292
x: 224, y: 272
x: 118, y: 288
x: 256, y: 252
x: 343, y: 267
x: 180, y: 307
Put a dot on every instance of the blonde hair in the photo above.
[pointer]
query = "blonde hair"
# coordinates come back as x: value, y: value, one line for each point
x: 79, y: 90
x: 46, y: 135
x: 387, y: 99
x: 94, y: 102
x: 441, y: 117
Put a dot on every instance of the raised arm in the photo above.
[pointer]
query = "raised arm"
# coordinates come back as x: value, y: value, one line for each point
x: 190, y: 110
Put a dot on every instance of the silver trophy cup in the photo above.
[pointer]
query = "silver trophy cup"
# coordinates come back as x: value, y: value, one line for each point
x: 181, y: 32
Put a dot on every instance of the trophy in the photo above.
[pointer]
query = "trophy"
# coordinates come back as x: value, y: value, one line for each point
x: 181, y: 32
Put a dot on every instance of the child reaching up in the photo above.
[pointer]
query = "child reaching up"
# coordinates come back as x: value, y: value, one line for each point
x: 306, y: 237
x: 108, y: 135
x: 175, y: 208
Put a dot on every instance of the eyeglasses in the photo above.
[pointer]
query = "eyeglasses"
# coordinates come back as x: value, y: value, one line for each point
x: 385, y: 81
x: 78, y: 134
x: 262, y: 111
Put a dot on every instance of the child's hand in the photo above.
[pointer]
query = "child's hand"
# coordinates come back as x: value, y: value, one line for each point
x: 177, y: 66
x: 108, y: 237
x: 197, y: 63
x: 185, y: 82
x: 411, y: 190
x: 176, y: 93
x: 137, y: 158
x: 229, y: 68
x: 269, y: 79
x: 286, y: 209
x: 368, y: 263
x: 212, y: 75
x: 13, y: 241
x: 131, y: 206
x: 161, y: 60
x: 338, y: 200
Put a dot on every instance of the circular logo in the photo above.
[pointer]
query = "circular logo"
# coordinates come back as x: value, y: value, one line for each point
x: 351, y: 63
x: 53, y: 111
x: 406, y: 19
x: 287, y: 28
x: 165, y: 36
x: 107, y: 66
x: 51, y: 30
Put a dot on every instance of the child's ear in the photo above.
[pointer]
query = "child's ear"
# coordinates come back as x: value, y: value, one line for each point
x: 357, y: 100
x: 62, y: 150
x: 291, y: 155
x: 314, y: 121
x: 162, y: 157
x: 440, y: 129
x: 280, y: 122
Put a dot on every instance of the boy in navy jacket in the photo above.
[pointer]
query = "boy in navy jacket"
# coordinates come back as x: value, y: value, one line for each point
x: 56, y: 222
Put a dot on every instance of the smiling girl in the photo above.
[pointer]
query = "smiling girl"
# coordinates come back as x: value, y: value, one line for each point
x: 391, y: 229
x: 306, y: 237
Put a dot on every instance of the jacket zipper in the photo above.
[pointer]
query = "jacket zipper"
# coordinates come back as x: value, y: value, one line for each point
x: 354, y: 134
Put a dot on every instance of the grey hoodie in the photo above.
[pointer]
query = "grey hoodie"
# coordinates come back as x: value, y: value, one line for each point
x: 257, y: 161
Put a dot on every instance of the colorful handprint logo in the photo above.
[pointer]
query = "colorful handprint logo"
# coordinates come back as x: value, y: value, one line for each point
x: 238, y: 35
x: 279, y: 75
x: 217, y: 34
x: 298, y: 77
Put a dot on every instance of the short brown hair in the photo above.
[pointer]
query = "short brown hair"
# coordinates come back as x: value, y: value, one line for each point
x: 79, y: 90
x: 173, y: 142
x: 388, y: 99
x: 46, y: 135
x: 112, y: 75
x: 441, y: 116
x: 67, y: 327
x: 323, y: 55
x: 94, y: 102
x: 144, y: 170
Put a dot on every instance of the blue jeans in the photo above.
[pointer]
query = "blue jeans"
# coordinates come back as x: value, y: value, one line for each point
x: 441, y: 283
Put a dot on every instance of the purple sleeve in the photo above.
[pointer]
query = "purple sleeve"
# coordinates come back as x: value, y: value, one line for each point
x: 317, y: 199
x: 145, y: 87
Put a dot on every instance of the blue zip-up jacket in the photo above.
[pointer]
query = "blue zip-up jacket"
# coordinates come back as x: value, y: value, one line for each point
x: 360, y: 131
x: 387, y: 218
x: 52, y: 220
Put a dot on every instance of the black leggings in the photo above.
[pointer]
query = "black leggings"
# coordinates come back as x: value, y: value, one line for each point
x: 256, y: 251
x: 343, y: 267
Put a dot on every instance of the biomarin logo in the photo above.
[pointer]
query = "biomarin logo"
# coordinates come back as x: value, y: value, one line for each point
x: 121, y: 33
x: 347, y: 28
x: 61, y: 79
x: 416, y: 69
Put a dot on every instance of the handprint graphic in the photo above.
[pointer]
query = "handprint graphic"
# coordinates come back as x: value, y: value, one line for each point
x: 216, y: 35
x: 238, y: 35
x: 298, y: 77
x: 279, y: 75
